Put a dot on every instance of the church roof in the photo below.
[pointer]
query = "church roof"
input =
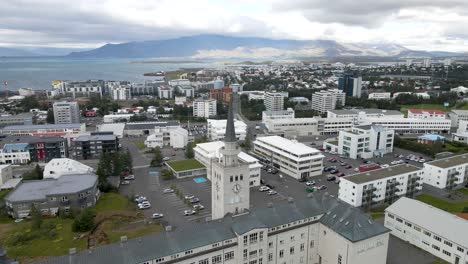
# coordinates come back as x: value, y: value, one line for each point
x: 230, y: 130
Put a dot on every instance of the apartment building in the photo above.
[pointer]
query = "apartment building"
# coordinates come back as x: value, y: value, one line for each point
x: 205, y: 153
x: 457, y: 115
x: 319, y: 229
x: 25, y: 149
x: 216, y: 129
x: 66, y: 112
x: 380, y: 96
x: 326, y: 100
x: 431, y: 229
x: 426, y: 114
x: 69, y: 192
x: 94, y: 145
x: 290, y: 157
x: 120, y: 91
x: 447, y: 173
x: 185, y: 90
x: 165, y: 92
x: 78, y: 88
x: 363, y: 142
x: 204, y: 108
x: 51, y: 130
x: 222, y: 95
x: 380, y: 186
x: 350, y: 85
x: 274, y: 101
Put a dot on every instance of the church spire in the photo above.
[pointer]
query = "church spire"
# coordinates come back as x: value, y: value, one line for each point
x: 230, y: 130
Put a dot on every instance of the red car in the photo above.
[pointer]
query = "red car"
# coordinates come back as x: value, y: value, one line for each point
x: 341, y: 174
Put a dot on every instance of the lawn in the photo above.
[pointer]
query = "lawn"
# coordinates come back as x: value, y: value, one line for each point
x: 111, y: 202
x: 140, y: 145
x: 464, y: 191
x: 183, y: 165
x: 114, y: 235
x: 376, y: 215
x: 455, y: 207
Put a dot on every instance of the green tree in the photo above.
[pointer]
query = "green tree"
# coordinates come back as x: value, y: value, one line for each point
x: 465, y: 209
x: 36, y: 218
x: 36, y: 174
x: 167, y: 174
x: 157, y: 159
x: 84, y: 222
x: 29, y: 102
x: 50, y: 117
x: 189, y: 151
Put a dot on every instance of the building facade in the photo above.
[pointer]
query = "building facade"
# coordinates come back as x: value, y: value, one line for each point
x: 25, y: 149
x: 216, y: 129
x: 350, y: 85
x: 204, y: 108
x: 380, y: 96
x: 19, y: 119
x: 324, y: 101
x: 426, y: 114
x: 447, y: 173
x: 66, y: 112
x: 290, y: 157
x: 94, y: 145
x: 382, y: 186
x: 274, y: 101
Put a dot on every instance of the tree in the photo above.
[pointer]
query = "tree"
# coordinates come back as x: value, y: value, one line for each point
x: 189, y: 151
x: 167, y: 174
x: 36, y: 218
x: 50, y: 117
x: 157, y: 159
x: 465, y: 209
x: 29, y: 102
x: 84, y: 222
x: 36, y: 174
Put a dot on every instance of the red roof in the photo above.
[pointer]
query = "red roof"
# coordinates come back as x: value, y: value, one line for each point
x: 430, y: 111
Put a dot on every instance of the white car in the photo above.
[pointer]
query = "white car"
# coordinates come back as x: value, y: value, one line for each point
x: 272, y: 192
x: 157, y: 215
x: 166, y: 159
x: 144, y: 206
x: 129, y: 177
x: 189, y: 212
x: 124, y: 182
x: 263, y: 188
x: 168, y: 190
x: 384, y: 166
x: 199, y: 206
x: 140, y: 199
x: 422, y: 160
x: 310, y: 183
x: 189, y: 197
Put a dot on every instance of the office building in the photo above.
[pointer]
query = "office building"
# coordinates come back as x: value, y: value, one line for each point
x: 58, y: 167
x: 222, y: 95
x: 382, y: 186
x: 290, y: 157
x: 216, y: 129
x: 66, y: 112
x: 19, y: 119
x: 426, y: 114
x: 309, y: 126
x: 165, y: 92
x: 447, y: 173
x: 206, y: 153
x: 69, y: 192
x: 360, y: 115
x: 273, y: 115
x: 350, y: 85
x: 411, y: 125
x: 138, y: 129
x: 94, y: 145
x: 174, y: 136
x: 318, y: 229
x: 204, y: 108
x: 324, y: 101
x: 363, y: 142
x: 274, y: 101
x: 380, y: 96
x: 431, y: 229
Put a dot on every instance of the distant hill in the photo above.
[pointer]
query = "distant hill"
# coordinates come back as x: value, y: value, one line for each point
x: 12, y: 52
x: 228, y: 47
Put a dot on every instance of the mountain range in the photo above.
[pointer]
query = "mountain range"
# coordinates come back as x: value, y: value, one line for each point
x: 229, y: 47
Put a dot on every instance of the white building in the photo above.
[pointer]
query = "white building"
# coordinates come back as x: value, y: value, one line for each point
x: 426, y: 114
x: 299, y: 99
x: 176, y: 82
x: 218, y: 83
x: 360, y: 115
x: 119, y: 91
x: 364, y: 142
x: 6, y: 173
x: 309, y: 126
x: 457, y: 115
x: 161, y: 136
x: 273, y: 115
x: 324, y: 101
x: 290, y: 157
x: 66, y: 112
x: 77, y: 88
x: 274, y: 101
x: 447, y: 173
x: 380, y: 186
x: 380, y: 96
x: 165, y: 92
x: 460, y: 90
x: 216, y: 129
x: 411, y: 125
x: 236, y: 87
x: 186, y: 90
x: 206, y: 153
x: 179, y: 138
x: 204, y: 108
x: 438, y: 232
x: 63, y: 166
x: 26, y: 92
x: 180, y: 100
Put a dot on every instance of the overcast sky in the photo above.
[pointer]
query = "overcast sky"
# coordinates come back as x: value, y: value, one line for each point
x: 416, y: 24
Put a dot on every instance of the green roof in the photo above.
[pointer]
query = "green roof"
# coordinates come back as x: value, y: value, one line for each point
x: 374, y: 175
x: 185, y: 165
x: 450, y: 161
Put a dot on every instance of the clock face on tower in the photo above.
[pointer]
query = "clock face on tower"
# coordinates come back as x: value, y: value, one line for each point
x: 236, y: 188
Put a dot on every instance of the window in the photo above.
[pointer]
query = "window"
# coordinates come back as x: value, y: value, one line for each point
x: 253, y: 238
x: 253, y: 253
x: 253, y: 262
x: 188, y: 252
x: 245, y: 240
x: 312, y: 244
x: 436, y: 247
x: 270, y: 244
x: 302, y: 235
x: 245, y: 253
x: 417, y: 228
x: 425, y: 243
x: 231, y: 178
x: 427, y: 233
x: 448, y: 243
x: 460, y: 249
x: 261, y: 236
x: 270, y: 256
x: 216, y: 259
x: 301, y: 247
x: 229, y: 256
x: 339, y: 259
x: 281, y: 253
x: 281, y: 242
x: 437, y: 238
x: 399, y: 220
x: 446, y: 253
x: 203, y: 261
x: 408, y: 224
x: 260, y: 261
x: 291, y: 251
x: 292, y: 238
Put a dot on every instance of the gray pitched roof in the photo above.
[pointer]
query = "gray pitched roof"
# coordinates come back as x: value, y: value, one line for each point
x: 360, y: 226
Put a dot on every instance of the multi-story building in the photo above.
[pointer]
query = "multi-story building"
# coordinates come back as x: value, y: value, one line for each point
x: 318, y: 229
x: 218, y: 83
x: 174, y: 136
x: 273, y: 115
x: 66, y: 112
x: 69, y: 192
x: 411, y: 125
x: 380, y: 96
x: 363, y: 142
x: 138, y: 129
x: 94, y: 145
x: 19, y: 119
x: 360, y: 115
x: 119, y: 91
x: 380, y: 186
x: 274, y: 101
x: 216, y: 129
x: 147, y: 88
x: 78, y: 88
x: 324, y: 101
x: 206, y: 153
x: 447, y: 173
x: 431, y: 229
x: 176, y: 82
x: 165, y: 92
x: 222, y: 95
x: 350, y: 85
x: 309, y: 126
x: 185, y: 90
x: 6, y: 173
x: 204, y: 108
x: 426, y: 114
x: 457, y: 115
x: 290, y: 157
x: 25, y: 149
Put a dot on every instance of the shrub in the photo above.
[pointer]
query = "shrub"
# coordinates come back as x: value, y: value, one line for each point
x: 84, y: 222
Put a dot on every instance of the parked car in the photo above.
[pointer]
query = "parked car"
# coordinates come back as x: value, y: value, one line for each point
x: 129, y: 177
x: 348, y: 166
x: 124, y: 183
x: 194, y: 200
x: 157, y: 215
x: 272, y: 192
x: 144, y: 205
x: 189, y: 212
x: 168, y: 190
x: 189, y: 197
x: 263, y: 188
x: 384, y: 166
x: 422, y: 160
x: 166, y: 158
x: 341, y: 174
x: 270, y: 186
x: 310, y: 183
x: 140, y: 199
x: 198, y: 206
x: 331, y: 177
x: 322, y: 187
x: 334, y: 171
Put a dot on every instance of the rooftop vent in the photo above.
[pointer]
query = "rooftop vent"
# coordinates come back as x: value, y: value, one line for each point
x: 72, y: 251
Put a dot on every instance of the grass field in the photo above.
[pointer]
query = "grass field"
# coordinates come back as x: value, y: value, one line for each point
x: 464, y: 191
x: 111, y: 202
x: 183, y: 165
x: 455, y: 207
